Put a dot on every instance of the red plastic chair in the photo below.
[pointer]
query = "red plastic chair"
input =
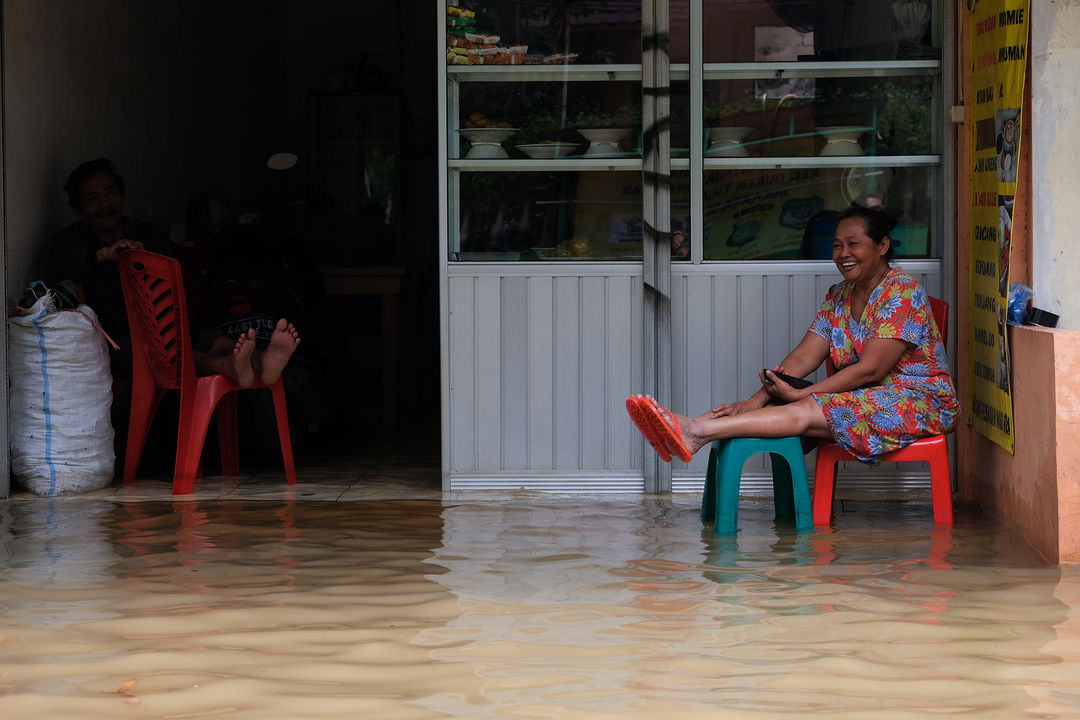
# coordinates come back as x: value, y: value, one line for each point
x: 933, y: 450
x: 162, y: 360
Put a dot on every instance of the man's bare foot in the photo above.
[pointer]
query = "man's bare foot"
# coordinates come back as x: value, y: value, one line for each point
x: 276, y: 356
x: 241, y: 359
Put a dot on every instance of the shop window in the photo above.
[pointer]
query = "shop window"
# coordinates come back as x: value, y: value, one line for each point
x: 806, y: 106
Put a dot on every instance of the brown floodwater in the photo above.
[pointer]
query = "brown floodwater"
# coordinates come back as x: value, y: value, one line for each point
x: 523, y: 607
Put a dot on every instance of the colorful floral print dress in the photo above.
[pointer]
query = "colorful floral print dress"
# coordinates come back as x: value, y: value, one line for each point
x: 917, y: 399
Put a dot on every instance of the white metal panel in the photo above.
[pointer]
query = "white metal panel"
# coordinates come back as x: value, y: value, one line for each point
x: 687, y: 357
x: 540, y: 366
x: 567, y: 352
x: 541, y: 374
x: 749, y: 337
x: 488, y: 381
x: 592, y: 369
x: 776, y: 327
x: 513, y: 312
x: 461, y: 373
x: 722, y: 343
x: 541, y: 358
x: 622, y: 370
x: 578, y: 483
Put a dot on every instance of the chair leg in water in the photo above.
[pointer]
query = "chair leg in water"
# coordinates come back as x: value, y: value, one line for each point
x: 791, y: 490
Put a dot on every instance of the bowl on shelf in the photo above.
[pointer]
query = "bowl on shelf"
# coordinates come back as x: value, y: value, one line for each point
x: 727, y: 141
x: 465, y: 256
x: 604, y: 141
x: 547, y: 150
x: 841, y: 139
x: 486, y: 143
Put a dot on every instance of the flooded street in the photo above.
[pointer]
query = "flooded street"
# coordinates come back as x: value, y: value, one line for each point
x: 523, y: 607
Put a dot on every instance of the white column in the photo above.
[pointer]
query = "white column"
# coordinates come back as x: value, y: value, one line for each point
x: 1055, y: 113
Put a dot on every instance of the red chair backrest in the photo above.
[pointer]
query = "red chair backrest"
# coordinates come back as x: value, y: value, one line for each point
x: 939, y: 309
x: 157, y: 313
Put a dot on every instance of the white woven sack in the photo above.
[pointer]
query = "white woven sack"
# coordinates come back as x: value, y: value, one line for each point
x: 59, y: 401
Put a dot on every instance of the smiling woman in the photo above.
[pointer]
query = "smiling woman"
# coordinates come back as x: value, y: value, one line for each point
x: 862, y: 251
x: 892, y: 384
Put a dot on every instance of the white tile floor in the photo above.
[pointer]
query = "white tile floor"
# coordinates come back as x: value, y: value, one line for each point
x: 387, y: 472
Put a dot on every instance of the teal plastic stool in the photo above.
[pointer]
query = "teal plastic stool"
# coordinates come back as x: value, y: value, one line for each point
x: 791, y: 491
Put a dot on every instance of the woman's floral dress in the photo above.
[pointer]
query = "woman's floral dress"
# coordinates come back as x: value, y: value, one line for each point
x: 917, y: 399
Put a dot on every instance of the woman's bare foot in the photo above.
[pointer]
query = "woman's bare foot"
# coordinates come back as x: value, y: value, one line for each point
x: 685, y: 425
x: 276, y: 356
x: 240, y: 360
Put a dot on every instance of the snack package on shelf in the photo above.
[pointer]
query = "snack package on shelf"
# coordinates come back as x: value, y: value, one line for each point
x: 457, y: 56
x: 480, y: 56
x: 466, y: 46
x: 460, y: 21
x: 453, y: 11
x: 456, y: 43
x: 460, y: 28
x: 560, y: 59
x: 504, y: 58
x: 482, y: 38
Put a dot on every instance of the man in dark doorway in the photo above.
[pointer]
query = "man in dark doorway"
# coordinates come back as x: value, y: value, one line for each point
x: 86, y: 252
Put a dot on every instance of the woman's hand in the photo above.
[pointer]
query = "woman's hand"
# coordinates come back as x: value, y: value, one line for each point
x: 754, y: 402
x: 783, y: 392
x: 777, y: 388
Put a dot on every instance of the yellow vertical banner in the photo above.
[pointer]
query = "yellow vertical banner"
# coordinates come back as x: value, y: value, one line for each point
x: 999, y: 46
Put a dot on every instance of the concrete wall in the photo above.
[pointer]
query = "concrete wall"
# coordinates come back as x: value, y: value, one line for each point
x: 1055, y: 57
x: 1036, y: 488
x: 179, y: 93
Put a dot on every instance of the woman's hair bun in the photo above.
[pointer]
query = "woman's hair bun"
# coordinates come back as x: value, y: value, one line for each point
x: 878, y: 221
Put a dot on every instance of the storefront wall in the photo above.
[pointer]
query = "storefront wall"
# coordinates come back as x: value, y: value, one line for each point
x: 540, y: 363
x: 1055, y: 57
x: 1037, y: 488
x: 539, y: 356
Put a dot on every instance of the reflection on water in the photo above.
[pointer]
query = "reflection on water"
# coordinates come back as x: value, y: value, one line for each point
x: 537, y: 608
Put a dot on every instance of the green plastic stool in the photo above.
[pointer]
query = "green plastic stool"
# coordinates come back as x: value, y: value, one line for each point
x: 791, y: 491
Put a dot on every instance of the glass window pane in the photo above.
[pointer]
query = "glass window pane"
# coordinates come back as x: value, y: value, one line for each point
x: 785, y: 214
x: 813, y: 30
x: 579, y: 210
x: 586, y: 31
x: 820, y: 116
x: 680, y: 119
x: 576, y: 118
x: 679, y: 26
x: 550, y: 216
x: 682, y: 204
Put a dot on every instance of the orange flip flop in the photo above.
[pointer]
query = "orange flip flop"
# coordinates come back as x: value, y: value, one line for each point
x: 635, y: 405
x: 669, y: 433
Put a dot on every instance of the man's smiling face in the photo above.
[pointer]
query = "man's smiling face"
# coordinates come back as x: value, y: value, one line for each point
x: 101, y: 204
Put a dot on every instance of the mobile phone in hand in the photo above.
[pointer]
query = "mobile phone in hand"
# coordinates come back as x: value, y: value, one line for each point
x: 796, y: 382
